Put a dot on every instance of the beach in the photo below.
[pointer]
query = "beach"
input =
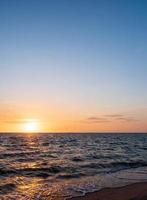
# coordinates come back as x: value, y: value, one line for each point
x: 136, y: 191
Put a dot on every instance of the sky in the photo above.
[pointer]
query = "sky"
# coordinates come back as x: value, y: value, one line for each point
x: 73, y: 65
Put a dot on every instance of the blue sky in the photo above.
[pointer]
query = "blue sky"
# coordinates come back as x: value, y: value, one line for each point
x: 86, y: 56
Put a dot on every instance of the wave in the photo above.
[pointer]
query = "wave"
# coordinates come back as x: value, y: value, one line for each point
x: 66, y: 172
x: 15, y: 154
x: 69, y: 176
x: 42, y: 171
x: 115, y: 166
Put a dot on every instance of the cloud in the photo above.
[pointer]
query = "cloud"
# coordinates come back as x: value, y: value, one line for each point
x: 127, y: 119
x: 121, y: 117
x: 114, y: 115
x: 96, y: 119
x: 110, y: 118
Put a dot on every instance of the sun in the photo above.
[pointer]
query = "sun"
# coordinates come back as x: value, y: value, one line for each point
x: 31, y: 126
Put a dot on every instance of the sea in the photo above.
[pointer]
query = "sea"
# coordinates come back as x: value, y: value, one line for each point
x: 42, y: 166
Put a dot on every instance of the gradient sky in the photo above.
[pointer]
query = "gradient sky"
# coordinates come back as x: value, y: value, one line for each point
x: 73, y: 65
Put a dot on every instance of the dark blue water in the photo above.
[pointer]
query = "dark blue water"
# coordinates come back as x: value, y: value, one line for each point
x: 58, y: 166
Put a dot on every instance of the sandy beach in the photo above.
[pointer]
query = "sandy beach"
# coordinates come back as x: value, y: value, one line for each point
x: 136, y: 191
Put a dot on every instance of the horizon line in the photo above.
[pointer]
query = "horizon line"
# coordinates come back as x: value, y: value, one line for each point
x: 70, y: 132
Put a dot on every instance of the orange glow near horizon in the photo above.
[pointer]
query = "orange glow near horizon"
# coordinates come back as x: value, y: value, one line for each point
x: 35, y: 125
x: 34, y: 118
x: 31, y: 126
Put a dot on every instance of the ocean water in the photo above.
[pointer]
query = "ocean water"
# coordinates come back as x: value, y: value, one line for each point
x: 60, y: 166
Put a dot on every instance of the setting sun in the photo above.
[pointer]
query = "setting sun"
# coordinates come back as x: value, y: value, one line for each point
x: 31, y: 125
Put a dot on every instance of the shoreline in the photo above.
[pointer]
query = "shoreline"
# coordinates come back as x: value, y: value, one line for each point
x: 135, y: 191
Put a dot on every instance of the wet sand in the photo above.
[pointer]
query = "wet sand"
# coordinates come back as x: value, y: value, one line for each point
x: 136, y: 191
